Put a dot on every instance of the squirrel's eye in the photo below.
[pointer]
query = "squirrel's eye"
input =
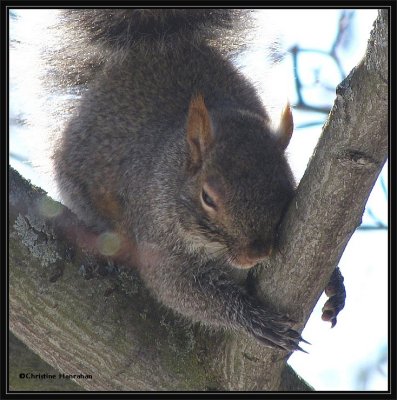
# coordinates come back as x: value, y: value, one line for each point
x: 207, y: 199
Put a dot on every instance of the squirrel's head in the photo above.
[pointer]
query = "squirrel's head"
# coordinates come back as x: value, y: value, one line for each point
x: 238, y: 183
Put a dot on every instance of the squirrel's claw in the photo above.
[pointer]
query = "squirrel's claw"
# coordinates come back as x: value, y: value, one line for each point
x: 300, y: 349
x: 276, y: 332
x: 305, y: 341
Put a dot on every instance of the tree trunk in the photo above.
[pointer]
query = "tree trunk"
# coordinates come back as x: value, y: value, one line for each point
x: 86, y: 317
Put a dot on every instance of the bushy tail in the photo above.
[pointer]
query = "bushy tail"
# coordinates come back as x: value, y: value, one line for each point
x: 89, y: 37
x: 126, y: 28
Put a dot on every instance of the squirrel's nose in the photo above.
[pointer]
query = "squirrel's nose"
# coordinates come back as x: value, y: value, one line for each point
x: 259, y: 249
x: 252, y: 254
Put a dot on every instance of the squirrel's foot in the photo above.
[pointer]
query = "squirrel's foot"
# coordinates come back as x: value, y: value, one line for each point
x: 336, y: 292
x: 275, y: 331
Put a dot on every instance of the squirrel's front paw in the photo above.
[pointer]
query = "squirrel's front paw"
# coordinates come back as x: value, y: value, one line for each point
x: 336, y: 292
x: 274, y: 330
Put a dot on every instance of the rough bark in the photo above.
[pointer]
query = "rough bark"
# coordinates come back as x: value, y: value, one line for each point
x: 84, y: 316
x: 23, y: 360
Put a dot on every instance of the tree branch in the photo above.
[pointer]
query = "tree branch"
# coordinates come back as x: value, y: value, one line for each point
x: 332, y: 194
x: 83, y: 315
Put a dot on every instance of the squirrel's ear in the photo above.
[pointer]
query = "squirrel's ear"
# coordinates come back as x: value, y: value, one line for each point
x: 284, y: 131
x: 200, y: 134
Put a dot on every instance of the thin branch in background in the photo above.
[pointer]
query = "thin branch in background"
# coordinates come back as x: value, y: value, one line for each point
x: 20, y: 158
x: 383, y: 186
x: 306, y: 107
x: 310, y: 124
x: 344, y: 34
x: 378, y: 224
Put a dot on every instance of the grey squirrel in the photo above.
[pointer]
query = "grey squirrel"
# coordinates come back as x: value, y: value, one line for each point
x: 171, y: 147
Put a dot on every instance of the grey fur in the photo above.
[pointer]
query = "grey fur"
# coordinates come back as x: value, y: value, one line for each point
x: 123, y: 160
